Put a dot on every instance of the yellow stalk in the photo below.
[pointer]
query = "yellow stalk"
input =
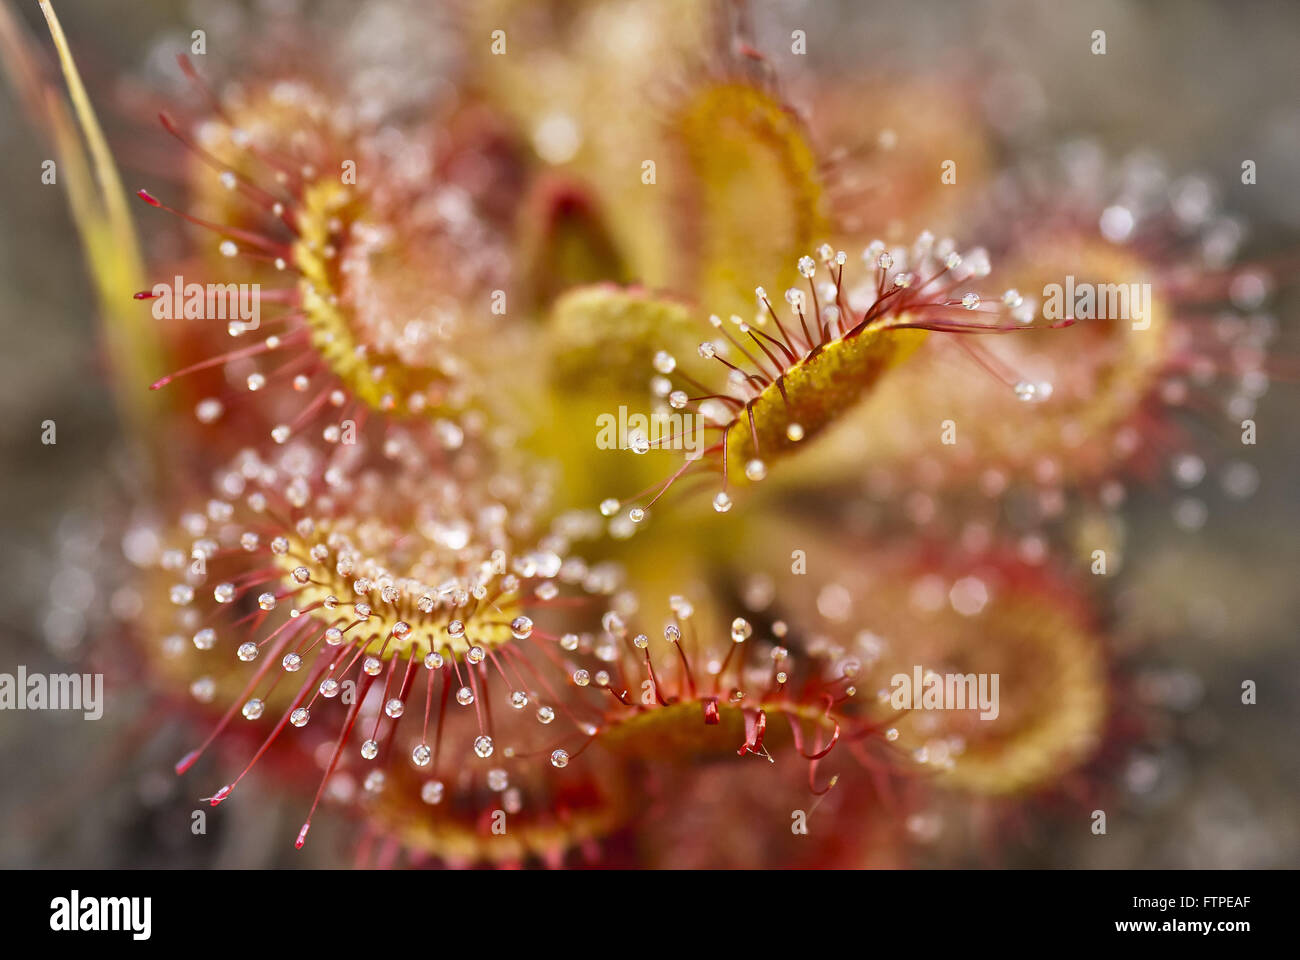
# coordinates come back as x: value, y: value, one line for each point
x: 99, y: 211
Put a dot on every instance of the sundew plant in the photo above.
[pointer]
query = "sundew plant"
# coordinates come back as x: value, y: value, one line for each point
x: 652, y: 434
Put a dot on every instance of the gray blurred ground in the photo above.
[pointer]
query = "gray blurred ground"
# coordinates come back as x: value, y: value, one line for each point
x: 1204, y: 84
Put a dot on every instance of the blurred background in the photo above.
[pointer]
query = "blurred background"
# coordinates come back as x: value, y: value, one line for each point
x: 1203, y: 85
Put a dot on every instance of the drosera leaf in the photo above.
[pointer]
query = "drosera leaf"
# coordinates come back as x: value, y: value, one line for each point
x: 567, y: 242
x: 750, y: 199
x: 605, y: 337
